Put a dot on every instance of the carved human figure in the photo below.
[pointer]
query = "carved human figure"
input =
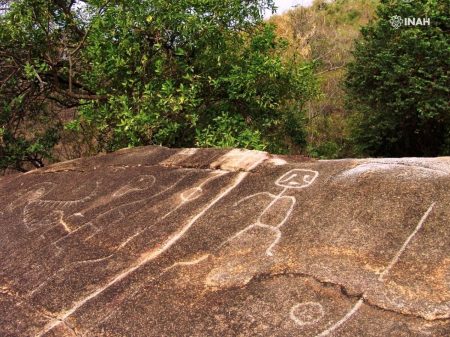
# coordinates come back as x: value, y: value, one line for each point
x: 235, y: 267
x: 281, y: 206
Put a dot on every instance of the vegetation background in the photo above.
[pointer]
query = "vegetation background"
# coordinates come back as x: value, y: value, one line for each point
x: 333, y: 80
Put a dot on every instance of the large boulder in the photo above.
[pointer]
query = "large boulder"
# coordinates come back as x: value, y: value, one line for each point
x: 164, y: 242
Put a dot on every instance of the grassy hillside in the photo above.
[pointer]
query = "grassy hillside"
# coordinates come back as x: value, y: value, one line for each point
x: 325, y: 33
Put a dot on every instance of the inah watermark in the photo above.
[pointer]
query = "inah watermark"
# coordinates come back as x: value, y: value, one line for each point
x: 397, y: 21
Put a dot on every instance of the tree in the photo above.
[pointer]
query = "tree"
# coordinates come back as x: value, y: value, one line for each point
x: 324, y: 33
x: 139, y: 72
x: 399, y: 82
x: 34, y: 87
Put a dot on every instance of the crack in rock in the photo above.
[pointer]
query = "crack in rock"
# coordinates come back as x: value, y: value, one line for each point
x: 342, y: 289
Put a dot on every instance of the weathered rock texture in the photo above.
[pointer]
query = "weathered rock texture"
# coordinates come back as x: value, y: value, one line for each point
x: 163, y: 242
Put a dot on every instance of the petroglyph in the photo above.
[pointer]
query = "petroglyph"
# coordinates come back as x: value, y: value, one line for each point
x: 102, y: 222
x: 108, y: 218
x: 305, y: 255
x: 381, y: 277
x: 108, y: 314
x: 405, y: 244
x: 25, y: 197
x: 241, y: 266
x: 81, y: 228
x: 192, y: 193
x: 145, y: 258
x: 297, y: 178
x: 280, y: 208
x: 140, y: 183
x: 119, y: 216
x: 306, y: 313
x: 32, y: 212
x: 344, y: 319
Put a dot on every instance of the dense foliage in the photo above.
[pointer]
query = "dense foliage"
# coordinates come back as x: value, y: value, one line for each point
x: 79, y: 77
x: 399, y: 82
x: 324, y: 33
x: 139, y: 72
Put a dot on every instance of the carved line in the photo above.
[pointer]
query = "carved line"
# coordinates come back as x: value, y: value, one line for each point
x: 52, y: 204
x: 276, y: 230
x: 252, y: 196
x: 344, y: 319
x: 145, y: 258
x: 263, y: 225
x: 112, y: 254
x: 306, y: 181
x: 31, y: 194
x: 185, y: 200
x: 63, y: 223
x: 174, y: 238
x: 384, y: 273
x: 74, y: 201
x: 405, y: 244
x: 138, y: 289
x: 125, y: 189
x: 96, y: 230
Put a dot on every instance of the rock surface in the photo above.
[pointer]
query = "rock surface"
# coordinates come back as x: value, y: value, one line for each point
x: 165, y: 242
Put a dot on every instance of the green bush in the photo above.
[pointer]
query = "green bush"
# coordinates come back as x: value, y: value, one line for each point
x: 229, y: 131
x: 226, y: 62
x: 140, y: 72
x: 399, y: 85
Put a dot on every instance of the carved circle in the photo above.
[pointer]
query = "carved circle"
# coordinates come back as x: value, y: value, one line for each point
x: 306, y: 313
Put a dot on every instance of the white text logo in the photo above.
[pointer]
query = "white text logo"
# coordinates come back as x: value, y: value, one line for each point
x: 397, y: 21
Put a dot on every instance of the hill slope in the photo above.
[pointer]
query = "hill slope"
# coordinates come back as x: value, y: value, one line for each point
x: 325, y: 33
